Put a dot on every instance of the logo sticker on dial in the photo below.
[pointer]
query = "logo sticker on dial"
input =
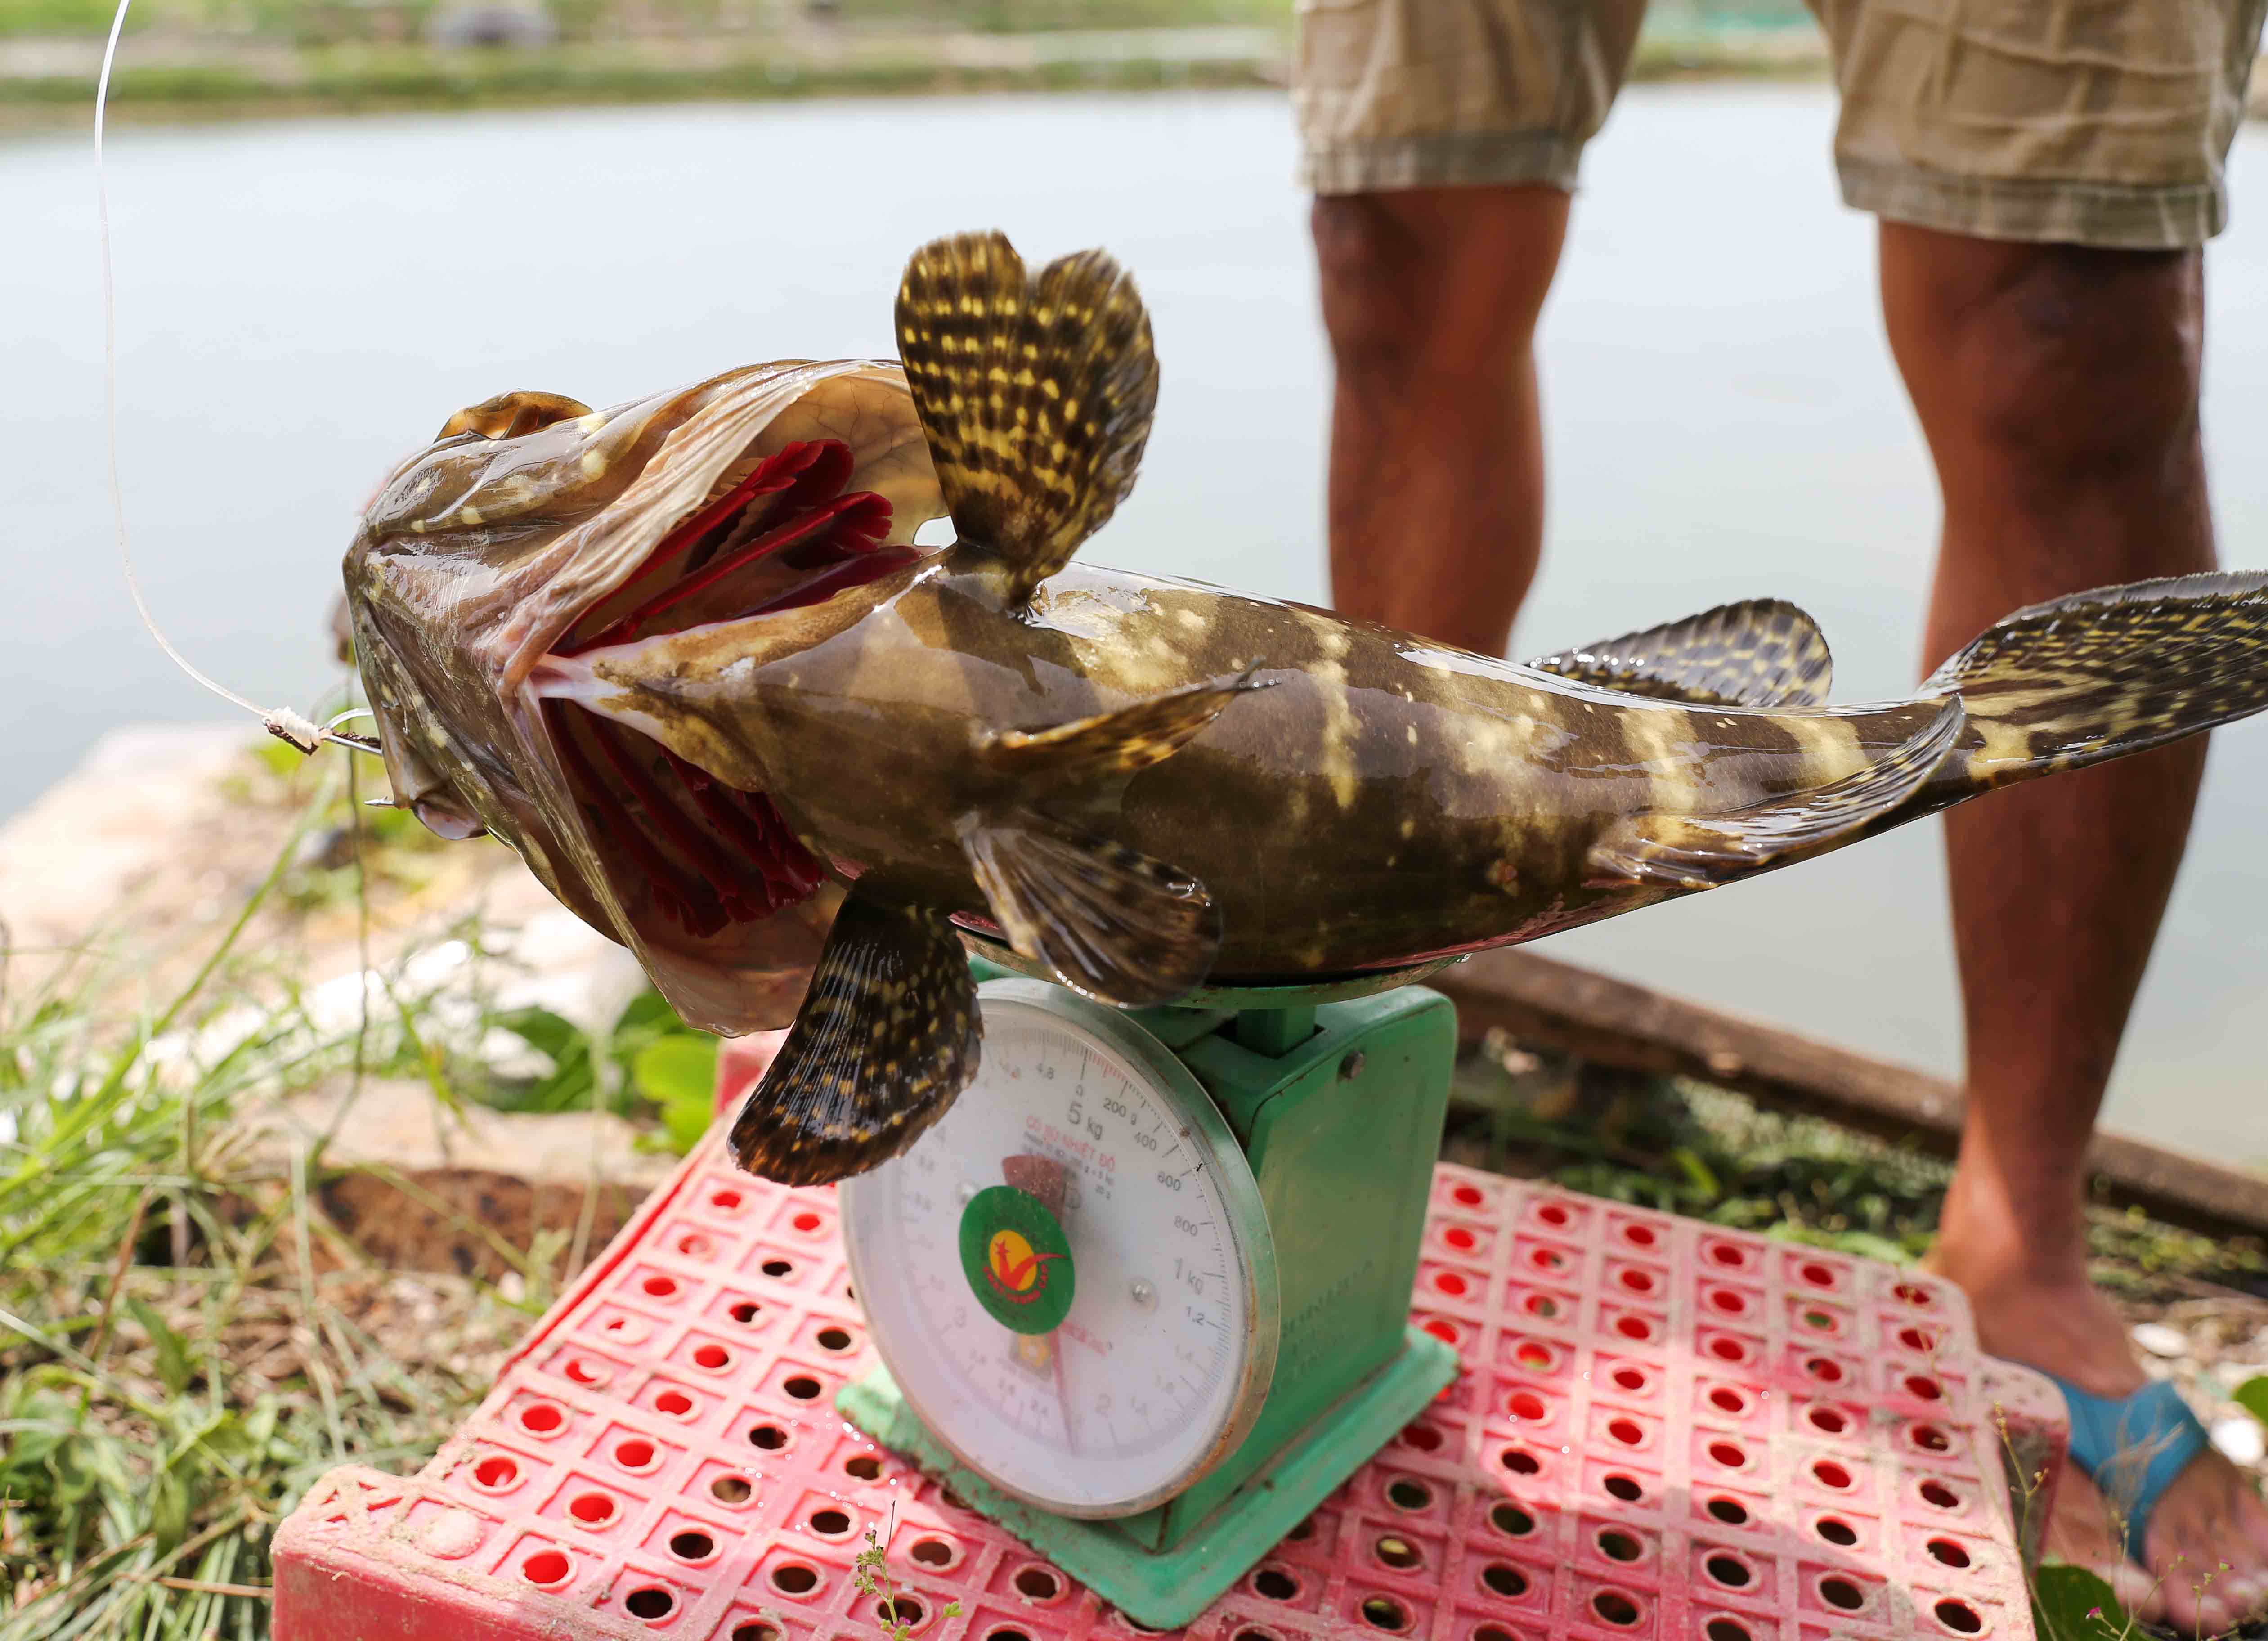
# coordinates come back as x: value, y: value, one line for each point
x: 1017, y: 1260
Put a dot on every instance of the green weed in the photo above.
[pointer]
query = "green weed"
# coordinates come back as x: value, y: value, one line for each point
x: 1685, y: 1147
x: 185, y: 1343
x: 870, y: 1576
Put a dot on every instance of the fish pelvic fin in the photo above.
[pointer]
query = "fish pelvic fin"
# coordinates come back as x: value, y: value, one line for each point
x: 887, y: 1037
x: 1111, y: 923
x: 1036, y: 395
x: 1701, y: 851
x: 1761, y: 652
x: 2100, y: 674
x: 1111, y: 743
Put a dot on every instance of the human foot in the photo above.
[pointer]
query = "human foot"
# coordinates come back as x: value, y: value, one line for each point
x: 2205, y: 1553
x: 2082, y: 1532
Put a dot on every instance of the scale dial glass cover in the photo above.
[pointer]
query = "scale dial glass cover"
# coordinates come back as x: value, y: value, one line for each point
x: 1159, y: 1366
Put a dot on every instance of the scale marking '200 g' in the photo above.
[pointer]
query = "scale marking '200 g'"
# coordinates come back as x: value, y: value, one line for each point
x: 686, y: 658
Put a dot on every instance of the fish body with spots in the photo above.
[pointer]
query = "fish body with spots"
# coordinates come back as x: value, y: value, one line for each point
x: 1372, y: 801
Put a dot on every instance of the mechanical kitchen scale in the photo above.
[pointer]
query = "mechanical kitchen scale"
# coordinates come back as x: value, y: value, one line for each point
x: 1142, y: 1296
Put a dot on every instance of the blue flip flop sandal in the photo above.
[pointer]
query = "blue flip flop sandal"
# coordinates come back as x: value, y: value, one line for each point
x: 2132, y: 1447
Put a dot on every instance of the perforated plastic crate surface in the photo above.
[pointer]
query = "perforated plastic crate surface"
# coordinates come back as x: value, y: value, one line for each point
x: 1663, y: 1431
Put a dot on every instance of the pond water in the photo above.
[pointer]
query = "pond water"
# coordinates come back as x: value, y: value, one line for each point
x: 300, y: 303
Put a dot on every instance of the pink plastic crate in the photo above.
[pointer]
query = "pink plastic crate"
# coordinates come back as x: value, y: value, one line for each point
x: 1663, y: 1431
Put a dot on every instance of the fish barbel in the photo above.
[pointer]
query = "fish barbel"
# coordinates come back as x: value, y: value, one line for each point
x: 685, y: 655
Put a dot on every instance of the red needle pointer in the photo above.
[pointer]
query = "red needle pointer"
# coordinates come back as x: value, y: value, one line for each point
x: 1045, y: 1178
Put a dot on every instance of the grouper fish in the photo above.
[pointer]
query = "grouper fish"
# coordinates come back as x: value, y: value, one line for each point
x: 688, y: 657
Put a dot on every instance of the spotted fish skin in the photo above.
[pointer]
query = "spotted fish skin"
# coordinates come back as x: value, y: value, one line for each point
x: 1384, y: 800
x: 1041, y: 392
x: 1140, y: 784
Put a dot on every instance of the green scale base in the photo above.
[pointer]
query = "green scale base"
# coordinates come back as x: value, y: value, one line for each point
x: 1168, y: 1589
x: 1336, y: 1096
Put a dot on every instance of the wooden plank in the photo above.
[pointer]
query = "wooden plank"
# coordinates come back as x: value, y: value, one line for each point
x: 1614, y: 1022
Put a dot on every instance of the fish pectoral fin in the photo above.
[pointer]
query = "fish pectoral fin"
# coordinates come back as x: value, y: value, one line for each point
x: 1761, y: 653
x: 887, y: 1037
x: 1036, y: 395
x: 1111, y: 743
x: 1110, y: 922
x: 1702, y: 851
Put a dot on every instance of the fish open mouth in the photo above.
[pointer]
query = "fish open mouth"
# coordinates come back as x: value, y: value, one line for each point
x: 781, y: 536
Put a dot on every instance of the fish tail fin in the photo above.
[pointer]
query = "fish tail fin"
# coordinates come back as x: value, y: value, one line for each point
x: 1036, y: 395
x: 2098, y: 675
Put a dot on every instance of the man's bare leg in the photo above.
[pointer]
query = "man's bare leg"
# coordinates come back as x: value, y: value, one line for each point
x: 1431, y: 297
x: 2058, y: 387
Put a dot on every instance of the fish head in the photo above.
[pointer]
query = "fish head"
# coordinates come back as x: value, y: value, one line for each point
x: 534, y: 528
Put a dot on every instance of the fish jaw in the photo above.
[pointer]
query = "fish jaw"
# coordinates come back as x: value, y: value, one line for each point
x: 487, y: 563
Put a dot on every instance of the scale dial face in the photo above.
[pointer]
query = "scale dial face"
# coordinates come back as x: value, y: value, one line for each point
x: 1085, y: 1164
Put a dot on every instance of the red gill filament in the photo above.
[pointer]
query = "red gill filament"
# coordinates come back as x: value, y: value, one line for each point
x: 848, y: 524
x: 676, y: 898
x: 744, y: 864
x: 822, y: 584
x: 752, y: 867
x: 786, y: 470
x: 750, y: 820
x: 718, y: 875
x: 813, y: 513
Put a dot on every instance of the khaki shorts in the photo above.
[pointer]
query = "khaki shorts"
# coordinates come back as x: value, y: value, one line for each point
x: 2098, y: 122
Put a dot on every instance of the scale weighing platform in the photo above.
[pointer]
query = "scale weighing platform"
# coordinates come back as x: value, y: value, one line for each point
x: 1174, y: 1321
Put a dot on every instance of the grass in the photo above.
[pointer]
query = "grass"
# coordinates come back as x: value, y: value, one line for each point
x: 185, y: 1343
x: 414, y: 79
x: 1691, y: 1149
x: 1025, y: 16
x: 205, y: 59
x: 211, y: 59
x: 329, y: 22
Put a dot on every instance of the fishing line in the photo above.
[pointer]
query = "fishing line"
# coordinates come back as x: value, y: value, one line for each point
x: 285, y: 725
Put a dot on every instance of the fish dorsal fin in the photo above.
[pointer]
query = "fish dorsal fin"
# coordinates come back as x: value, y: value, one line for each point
x: 1761, y: 652
x: 887, y: 1037
x: 1109, y: 921
x: 1111, y: 743
x: 1036, y: 395
x: 1701, y: 851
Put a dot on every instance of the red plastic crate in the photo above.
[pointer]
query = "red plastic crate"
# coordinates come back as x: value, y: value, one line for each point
x: 1663, y: 1431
